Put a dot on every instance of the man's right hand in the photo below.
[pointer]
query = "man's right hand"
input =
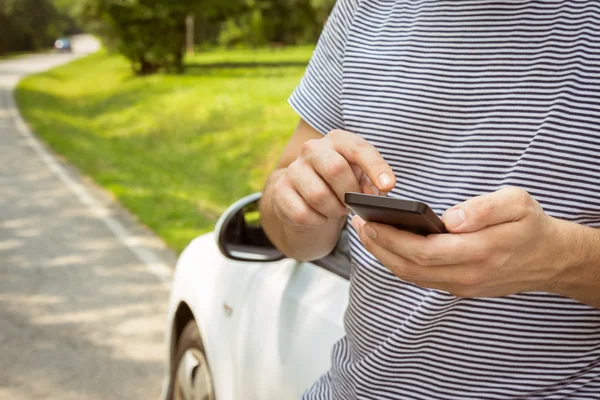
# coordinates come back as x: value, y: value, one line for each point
x: 310, y: 191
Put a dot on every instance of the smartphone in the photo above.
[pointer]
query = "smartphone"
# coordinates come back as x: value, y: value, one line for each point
x: 411, y: 216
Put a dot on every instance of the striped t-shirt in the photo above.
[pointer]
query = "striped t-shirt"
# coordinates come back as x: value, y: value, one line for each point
x: 463, y: 97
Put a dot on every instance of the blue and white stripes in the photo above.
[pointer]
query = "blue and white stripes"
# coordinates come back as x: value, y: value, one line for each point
x: 463, y: 97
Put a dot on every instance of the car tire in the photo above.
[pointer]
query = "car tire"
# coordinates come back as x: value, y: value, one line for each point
x: 191, y: 378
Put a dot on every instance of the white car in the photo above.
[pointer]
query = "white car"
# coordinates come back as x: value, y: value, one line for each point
x: 246, y: 323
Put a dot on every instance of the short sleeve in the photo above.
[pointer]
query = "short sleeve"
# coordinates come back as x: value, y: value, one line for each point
x: 317, y: 99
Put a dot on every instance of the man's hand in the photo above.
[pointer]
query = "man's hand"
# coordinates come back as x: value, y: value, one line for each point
x: 500, y: 243
x: 310, y: 191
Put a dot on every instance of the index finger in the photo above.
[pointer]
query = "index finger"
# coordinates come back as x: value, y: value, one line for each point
x: 356, y: 150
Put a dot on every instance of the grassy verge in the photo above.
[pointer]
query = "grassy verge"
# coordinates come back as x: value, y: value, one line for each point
x: 175, y: 150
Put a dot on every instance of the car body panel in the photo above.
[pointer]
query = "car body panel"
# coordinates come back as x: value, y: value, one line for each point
x: 267, y: 328
x: 207, y: 282
x: 291, y: 316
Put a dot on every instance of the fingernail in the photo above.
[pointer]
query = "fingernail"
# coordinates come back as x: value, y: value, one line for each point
x: 385, y: 180
x: 354, y: 223
x: 455, y: 218
x: 370, y: 232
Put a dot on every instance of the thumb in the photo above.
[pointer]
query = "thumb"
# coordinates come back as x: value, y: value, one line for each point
x: 505, y: 205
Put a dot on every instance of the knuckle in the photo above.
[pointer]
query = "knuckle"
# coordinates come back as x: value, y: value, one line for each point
x: 359, y: 147
x: 423, y: 257
x: 299, y: 215
x: 336, y: 134
x: 508, y: 190
x: 471, y: 280
x: 336, y: 167
x: 309, y: 146
x: 282, y: 181
x: 481, y: 254
x: 520, y: 197
x: 362, y: 144
x: 294, y: 167
x: 317, y: 196
x: 293, y: 175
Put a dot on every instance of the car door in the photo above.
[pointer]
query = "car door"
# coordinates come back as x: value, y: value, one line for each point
x: 291, y: 316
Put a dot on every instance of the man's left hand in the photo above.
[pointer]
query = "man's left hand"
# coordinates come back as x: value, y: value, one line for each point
x: 500, y: 243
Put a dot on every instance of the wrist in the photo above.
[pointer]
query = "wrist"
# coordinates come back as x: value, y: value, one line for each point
x: 577, y: 265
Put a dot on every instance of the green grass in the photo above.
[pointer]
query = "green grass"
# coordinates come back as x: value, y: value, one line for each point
x: 175, y: 150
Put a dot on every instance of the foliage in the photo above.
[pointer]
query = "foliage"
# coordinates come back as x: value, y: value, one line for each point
x: 148, y: 32
x: 151, y: 33
x: 176, y: 150
x: 27, y: 25
x: 322, y: 9
x: 246, y: 29
x: 276, y: 22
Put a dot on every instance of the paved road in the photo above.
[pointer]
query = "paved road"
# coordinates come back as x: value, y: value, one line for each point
x: 81, y: 316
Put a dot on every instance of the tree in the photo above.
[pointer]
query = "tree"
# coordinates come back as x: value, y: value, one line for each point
x: 31, y: 24
x: 151, y: 33
x: 276, y: 21
x: 322, y: 9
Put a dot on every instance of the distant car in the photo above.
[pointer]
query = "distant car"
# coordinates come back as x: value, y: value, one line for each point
x: 63, y: 45
x: 245, y: 322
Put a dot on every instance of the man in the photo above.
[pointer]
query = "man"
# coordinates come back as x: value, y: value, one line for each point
x: 488, y: 111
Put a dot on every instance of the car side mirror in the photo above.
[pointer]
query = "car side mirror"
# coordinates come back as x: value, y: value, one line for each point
x: 240, y: 236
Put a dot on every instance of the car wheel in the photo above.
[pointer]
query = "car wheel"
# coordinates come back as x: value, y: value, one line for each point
x: 191, y: 378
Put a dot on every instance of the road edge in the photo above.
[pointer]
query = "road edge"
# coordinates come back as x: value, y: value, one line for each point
x: 144, y: 244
